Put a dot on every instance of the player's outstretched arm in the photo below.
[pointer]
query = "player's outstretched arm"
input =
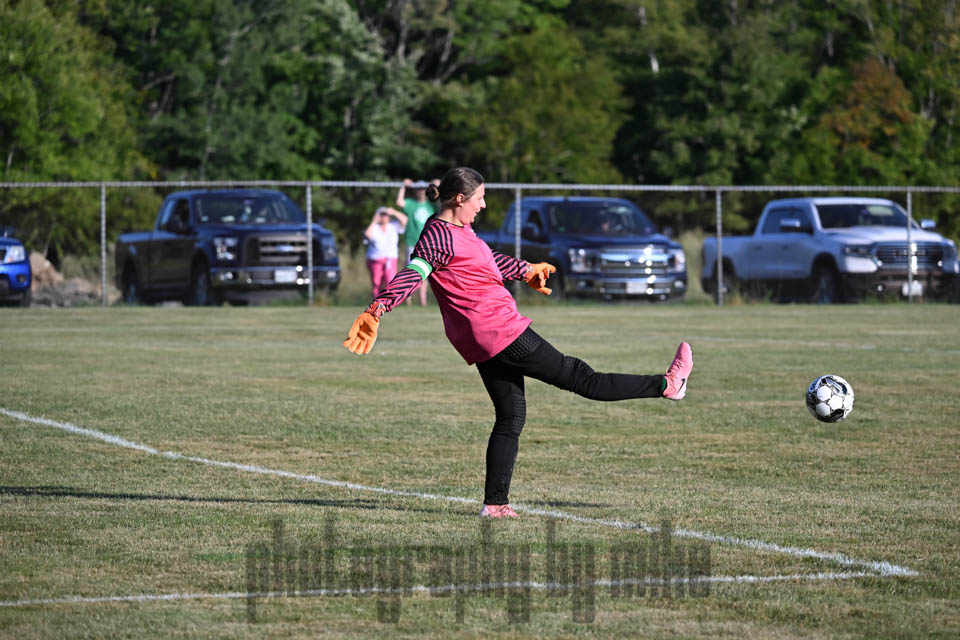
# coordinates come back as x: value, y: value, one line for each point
x: 363, y: 333
x: 510, y: 267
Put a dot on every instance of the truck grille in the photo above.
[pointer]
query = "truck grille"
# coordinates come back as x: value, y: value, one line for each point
x: 279, y: 250
x: 634, y: 262
x: 927, y: 253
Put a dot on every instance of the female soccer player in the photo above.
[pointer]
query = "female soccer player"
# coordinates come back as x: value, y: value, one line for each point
x: 481, y: 320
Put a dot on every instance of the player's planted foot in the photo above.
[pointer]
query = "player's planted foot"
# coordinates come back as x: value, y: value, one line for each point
x: 678, y: 373
x: 497, y: 511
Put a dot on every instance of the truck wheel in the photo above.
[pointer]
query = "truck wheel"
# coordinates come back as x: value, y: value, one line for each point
x: 131, y: 287
x: 729, y: 285
x: 26, y: 297
x: 825, y: 286
x: 201, y: 289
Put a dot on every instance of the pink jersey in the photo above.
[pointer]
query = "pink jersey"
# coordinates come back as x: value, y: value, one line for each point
x: 480, y: 316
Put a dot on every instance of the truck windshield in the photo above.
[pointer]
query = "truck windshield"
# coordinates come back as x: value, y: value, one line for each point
x: 252, y: 210
x: 838, y: 216
x: 599, y: 218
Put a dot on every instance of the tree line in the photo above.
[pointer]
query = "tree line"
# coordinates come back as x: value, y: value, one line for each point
x: 703, y: 92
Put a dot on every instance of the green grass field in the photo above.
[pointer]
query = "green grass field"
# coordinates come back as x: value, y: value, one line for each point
x: 739, y: 458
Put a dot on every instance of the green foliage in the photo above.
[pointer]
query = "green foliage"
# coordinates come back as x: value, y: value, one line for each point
x: 706, y: 92
x: 214, y: 103
x: 547, y: 112
x: 62, y: 117
x: 868, y: 135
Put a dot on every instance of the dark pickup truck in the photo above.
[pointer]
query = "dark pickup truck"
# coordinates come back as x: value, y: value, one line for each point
x: 237, y: 245
x: 603, y: 247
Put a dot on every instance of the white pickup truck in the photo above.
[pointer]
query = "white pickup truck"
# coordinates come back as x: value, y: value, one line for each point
x: 834, y: 249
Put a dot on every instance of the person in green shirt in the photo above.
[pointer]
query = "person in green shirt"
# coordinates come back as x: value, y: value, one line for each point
x: 418, y: 210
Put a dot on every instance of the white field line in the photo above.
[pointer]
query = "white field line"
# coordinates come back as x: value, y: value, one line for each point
x: 883, y: 569
x: 448, y: 588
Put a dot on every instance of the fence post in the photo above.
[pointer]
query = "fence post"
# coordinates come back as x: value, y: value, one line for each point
x: 719, y: 249
x: 103, y: 244
x: 516, y: 226
x: 909, y: 247
x: 309, y: 245
x: 516, y: 232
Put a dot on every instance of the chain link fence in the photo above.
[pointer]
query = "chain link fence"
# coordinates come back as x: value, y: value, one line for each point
x: 517, y: 191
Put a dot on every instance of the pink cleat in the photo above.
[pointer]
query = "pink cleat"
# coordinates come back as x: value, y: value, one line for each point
x: 497, y: 511
x: 678, y: 373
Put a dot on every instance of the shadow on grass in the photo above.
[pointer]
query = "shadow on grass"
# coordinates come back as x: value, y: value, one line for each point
x: 71, y: 492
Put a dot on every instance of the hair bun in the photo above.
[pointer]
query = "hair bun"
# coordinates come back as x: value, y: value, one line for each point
x: 433, y: 194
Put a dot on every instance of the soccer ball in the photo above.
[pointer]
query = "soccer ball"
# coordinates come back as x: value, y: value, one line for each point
x: 830, y: 398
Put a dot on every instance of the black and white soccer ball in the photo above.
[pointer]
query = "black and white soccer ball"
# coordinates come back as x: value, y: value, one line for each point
x: 830, y: 398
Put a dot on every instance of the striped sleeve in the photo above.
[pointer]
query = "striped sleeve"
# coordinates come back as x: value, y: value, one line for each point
x: 510, y: 268
x: 399, y: 289
x: 435, y: 248
x: 435, y: 245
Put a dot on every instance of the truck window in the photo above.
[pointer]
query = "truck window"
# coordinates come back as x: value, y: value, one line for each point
x: 599, y: 218
x: 508, y: 221
x: 526, y: 217
x: 165, y: 215
x: 247, y: 210
x: 534, y: 218
x: 181, y: 209
x: 837, y: 216
x: 772, y: 222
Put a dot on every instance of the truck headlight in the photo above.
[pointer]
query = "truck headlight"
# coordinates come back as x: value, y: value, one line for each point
x: 581, y: 260
x: 226, y: 248
x: 857, y: 250
x: 15, y: 253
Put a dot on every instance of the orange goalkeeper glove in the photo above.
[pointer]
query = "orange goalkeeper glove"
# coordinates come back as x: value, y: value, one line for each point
x: 537, y: 275
x: 363, y: 333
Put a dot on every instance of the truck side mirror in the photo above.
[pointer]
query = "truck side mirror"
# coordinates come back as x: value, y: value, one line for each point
x: 927, y: 224
x: 793, y: 225
x: 176, y: 224
x: 531, y: 231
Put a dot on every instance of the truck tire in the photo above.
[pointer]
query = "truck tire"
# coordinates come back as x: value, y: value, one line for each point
x: 202, y: 293
x: 729, y: 285
x: 825, y: 285
x: 131, y: 287
x: 26, y: 298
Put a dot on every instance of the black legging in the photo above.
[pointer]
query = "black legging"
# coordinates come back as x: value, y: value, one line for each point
x: 530, y: 355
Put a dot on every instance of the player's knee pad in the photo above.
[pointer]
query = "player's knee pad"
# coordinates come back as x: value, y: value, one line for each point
x: 511, y: 415
x: 525, y: 344
x: 575, y: 375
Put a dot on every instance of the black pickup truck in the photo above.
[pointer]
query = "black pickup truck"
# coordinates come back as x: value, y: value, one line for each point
x: 237, y: 245
x: 605, y: 247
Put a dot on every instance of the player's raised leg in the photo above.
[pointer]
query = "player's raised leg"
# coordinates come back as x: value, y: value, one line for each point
x: 535, y: 357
